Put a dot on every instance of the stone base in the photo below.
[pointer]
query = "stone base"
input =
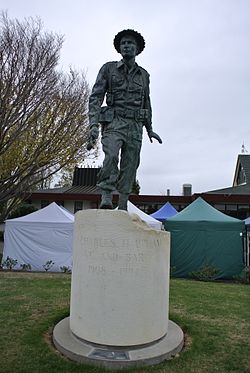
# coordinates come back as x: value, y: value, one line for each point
x: 120, y: 279
x: 117, y: 357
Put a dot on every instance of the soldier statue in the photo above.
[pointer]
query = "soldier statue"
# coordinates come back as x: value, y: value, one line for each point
x: 125, y: 86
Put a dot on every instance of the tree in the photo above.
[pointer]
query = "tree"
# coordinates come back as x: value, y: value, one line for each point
x: 22, y: 210
x: 65, y: 176
x: 43, y: 112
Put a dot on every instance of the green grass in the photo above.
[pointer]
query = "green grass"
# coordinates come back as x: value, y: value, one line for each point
x: 214, y: 316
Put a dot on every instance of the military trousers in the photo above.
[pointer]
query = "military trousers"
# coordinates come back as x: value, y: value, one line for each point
x: 121, y: 144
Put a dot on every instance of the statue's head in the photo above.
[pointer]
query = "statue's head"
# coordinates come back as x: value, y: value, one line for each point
x: 140, y: 42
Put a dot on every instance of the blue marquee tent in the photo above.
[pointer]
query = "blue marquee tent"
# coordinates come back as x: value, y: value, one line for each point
x: 247, y: 222
x: 165, y: 212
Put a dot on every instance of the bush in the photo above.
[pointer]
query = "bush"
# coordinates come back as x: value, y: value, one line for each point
x: 25, y: 267
x: 65, y: 269
x: 22, y: 210
x: 9, y: 263
x: 48, y: 265
x: 205, y: 273
x: 243, y: 277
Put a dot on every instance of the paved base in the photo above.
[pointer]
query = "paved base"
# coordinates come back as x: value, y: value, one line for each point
x: 117, y: 357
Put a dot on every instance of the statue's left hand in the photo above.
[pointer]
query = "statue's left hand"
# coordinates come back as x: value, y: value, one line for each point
x: 153, y: 135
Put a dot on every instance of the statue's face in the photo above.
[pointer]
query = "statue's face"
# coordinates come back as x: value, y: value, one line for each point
x: 128, y: 46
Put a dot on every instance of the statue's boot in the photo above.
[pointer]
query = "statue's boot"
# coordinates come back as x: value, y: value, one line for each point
x: 106, y: 202
x: 123, y: 202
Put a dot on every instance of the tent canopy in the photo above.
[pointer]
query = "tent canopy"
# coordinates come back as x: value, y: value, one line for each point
x: 47, y: 234
x: 247, y: 221
x: 165, y: 212
x: 153, y: 223
x: 39, y: 237
x: 49, y: 214
x: 200, y: 214
x: 201, y: 235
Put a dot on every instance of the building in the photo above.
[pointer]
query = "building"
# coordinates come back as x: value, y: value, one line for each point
x: 83, y: 194
x: 234, y: 200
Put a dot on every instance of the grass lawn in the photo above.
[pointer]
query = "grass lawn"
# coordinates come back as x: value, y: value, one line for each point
x: 214, y: 316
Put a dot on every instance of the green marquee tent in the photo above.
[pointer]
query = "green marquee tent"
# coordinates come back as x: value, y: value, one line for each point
x: 200, y: 236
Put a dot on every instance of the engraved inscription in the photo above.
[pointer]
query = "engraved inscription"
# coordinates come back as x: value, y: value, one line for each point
x: 98, y: 269
x: 102, y: 243
x: 131, y: 257
x: 124, y: 257
x: 113, y: 257
x: 130, y: 270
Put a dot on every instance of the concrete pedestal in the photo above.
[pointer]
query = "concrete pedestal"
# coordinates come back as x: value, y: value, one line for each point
x: 120, y: 288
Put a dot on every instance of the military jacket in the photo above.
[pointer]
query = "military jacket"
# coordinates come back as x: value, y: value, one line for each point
x: 125, y: 91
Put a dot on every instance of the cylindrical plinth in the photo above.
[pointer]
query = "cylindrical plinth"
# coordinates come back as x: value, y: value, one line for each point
x: 120, y: 279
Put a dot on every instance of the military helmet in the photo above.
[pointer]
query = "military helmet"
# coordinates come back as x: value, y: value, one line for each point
x: 138, y: 37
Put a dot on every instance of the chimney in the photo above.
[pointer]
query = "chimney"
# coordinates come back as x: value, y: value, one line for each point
x: 187, y: 189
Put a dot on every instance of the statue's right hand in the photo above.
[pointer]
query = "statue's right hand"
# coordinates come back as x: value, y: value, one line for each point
x: 93, y: 136
x: 94, y: 133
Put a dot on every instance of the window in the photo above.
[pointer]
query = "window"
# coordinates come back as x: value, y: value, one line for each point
x: 177, y: 207
x: 241, y: 179
x: 243, y: 207
x: 231, y: 207
x: 181, y: 207
x: 220, y: 207
x: 94, y: 205
x: 44, y: 203
x: 78, y: 206
x: 243, y: 211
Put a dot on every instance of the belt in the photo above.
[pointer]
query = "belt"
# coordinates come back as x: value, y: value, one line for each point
x: 128, y: 113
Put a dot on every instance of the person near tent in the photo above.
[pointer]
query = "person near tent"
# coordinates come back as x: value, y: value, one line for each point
x: 126, y: 86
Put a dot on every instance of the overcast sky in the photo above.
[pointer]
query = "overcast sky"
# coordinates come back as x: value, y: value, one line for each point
x: 198, y: 56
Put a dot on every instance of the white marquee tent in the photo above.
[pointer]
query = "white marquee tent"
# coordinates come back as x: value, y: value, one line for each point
x: 153, y: 223
x: 41, y: 236
x: 47, y: 234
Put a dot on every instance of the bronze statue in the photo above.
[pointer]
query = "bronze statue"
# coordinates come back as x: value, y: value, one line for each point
x: 125, y: 85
